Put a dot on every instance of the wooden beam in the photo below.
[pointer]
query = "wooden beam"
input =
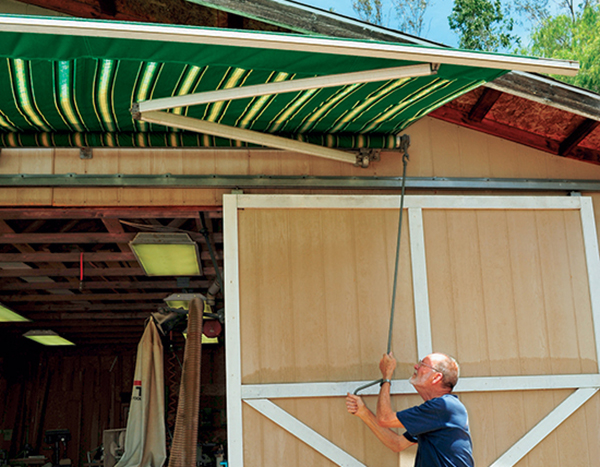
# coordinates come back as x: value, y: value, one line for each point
x: 78, y: 237
x: 92, y: 321
x: 128, y: 285
x: 188, y: 212
x: 84, y: 297
x: 484, y: 104
x: 103, y: 316
x: 65, y: 257
x: 577, y: 136
x: 72, y: 272
x: 29, y: 308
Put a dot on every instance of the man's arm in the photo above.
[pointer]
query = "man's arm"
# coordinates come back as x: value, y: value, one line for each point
x: 386, y: 417
x: 391, y: 439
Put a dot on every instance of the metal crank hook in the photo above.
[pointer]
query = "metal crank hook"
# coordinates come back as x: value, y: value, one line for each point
x: 404, y: 143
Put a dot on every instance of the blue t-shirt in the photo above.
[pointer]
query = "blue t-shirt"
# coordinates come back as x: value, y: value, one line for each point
x: 441, y: 427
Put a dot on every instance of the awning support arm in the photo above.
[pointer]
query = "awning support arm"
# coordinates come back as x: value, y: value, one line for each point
x: 255, y: 137
x: 342, y: 79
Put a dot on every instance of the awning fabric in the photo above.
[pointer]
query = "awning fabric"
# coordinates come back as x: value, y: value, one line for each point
x: 70, y: 83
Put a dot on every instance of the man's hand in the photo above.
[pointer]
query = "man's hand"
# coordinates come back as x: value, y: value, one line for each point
x: 355, y: 405
x: 387, y: 365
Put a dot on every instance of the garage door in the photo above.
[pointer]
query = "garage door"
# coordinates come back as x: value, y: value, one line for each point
x: 507, y: 285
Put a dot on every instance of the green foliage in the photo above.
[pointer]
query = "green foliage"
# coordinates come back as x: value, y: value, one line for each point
x: 482, y: 25
x: 574, y: 35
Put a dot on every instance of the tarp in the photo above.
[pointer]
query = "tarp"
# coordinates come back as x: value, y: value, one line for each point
x: 145, y: 439
x: 69, y: 82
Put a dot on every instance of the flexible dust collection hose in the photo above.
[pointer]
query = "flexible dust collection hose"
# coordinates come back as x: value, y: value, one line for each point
x: 389, y: 344
x: 185, y: 438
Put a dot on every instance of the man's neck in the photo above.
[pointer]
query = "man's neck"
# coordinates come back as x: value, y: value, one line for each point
x: 428, y: 395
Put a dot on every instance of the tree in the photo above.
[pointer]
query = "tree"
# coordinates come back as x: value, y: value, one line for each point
x: 411, y: 14
x: 574, y: 35
x: 482, y: 25
x: 368, y: 10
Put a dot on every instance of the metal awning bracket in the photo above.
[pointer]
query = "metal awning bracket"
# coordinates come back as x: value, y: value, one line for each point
x: 366, y: 155
x: 86, y: 153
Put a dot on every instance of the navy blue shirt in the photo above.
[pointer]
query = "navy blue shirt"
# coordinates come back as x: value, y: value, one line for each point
x: 441, y: 428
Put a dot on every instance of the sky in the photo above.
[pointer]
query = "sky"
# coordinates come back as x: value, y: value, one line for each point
x: 436, y: 18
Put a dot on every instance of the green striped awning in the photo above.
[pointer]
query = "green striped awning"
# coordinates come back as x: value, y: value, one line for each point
x: 72, y: 83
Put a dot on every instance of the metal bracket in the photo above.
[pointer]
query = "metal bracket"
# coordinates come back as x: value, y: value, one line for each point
x: 135, y: 111
x: 366, y: 155
x: 403, y: 142
x: 86, y: 153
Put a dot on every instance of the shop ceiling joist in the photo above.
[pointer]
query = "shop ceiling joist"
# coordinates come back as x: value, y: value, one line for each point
x: 72, y: 83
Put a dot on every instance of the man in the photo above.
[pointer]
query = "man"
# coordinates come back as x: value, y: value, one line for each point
x: 440, y: 425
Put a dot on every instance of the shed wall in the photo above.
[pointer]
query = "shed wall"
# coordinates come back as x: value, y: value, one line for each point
x: 499, y: 286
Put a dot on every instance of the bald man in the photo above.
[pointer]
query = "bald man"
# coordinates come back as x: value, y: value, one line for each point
x: 440, y: 426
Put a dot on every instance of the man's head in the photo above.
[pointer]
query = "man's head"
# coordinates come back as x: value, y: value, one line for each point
x: 435, y: 374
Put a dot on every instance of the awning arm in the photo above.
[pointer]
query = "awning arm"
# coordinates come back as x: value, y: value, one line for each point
x: 342, y: 79
x: 255, y: 137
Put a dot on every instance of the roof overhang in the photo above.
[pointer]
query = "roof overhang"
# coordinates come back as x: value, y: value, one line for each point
x: 70, y: 82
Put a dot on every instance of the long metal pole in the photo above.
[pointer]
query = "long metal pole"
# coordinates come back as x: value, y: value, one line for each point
x: 391, y: 328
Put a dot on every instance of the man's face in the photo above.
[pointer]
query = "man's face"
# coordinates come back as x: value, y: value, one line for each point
x: 424, y: 372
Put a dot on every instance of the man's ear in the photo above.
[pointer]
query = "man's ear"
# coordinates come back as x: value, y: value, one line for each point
x: 437, y: 378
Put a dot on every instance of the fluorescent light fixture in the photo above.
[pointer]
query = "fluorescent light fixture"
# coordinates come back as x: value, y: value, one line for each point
x: 167, y: 254
x: 182, y: 300
x: 47, y: 337
x: 7, y: 315
x: 209, y: 340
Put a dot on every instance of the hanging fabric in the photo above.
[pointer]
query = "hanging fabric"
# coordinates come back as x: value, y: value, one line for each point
x: 145, y: 439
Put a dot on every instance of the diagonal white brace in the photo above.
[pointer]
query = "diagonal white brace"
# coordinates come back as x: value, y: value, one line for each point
x: 255, y: 137
x: 304, y: 433
x: 343, y: 79
x: 522, y: 447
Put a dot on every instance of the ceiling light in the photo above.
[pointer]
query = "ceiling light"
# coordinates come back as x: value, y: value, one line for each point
x: 46, y: 337
x: 7, y: 315
x: 167, y: 254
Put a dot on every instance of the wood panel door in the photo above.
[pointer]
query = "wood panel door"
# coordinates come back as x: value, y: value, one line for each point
x: 508, y: 285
